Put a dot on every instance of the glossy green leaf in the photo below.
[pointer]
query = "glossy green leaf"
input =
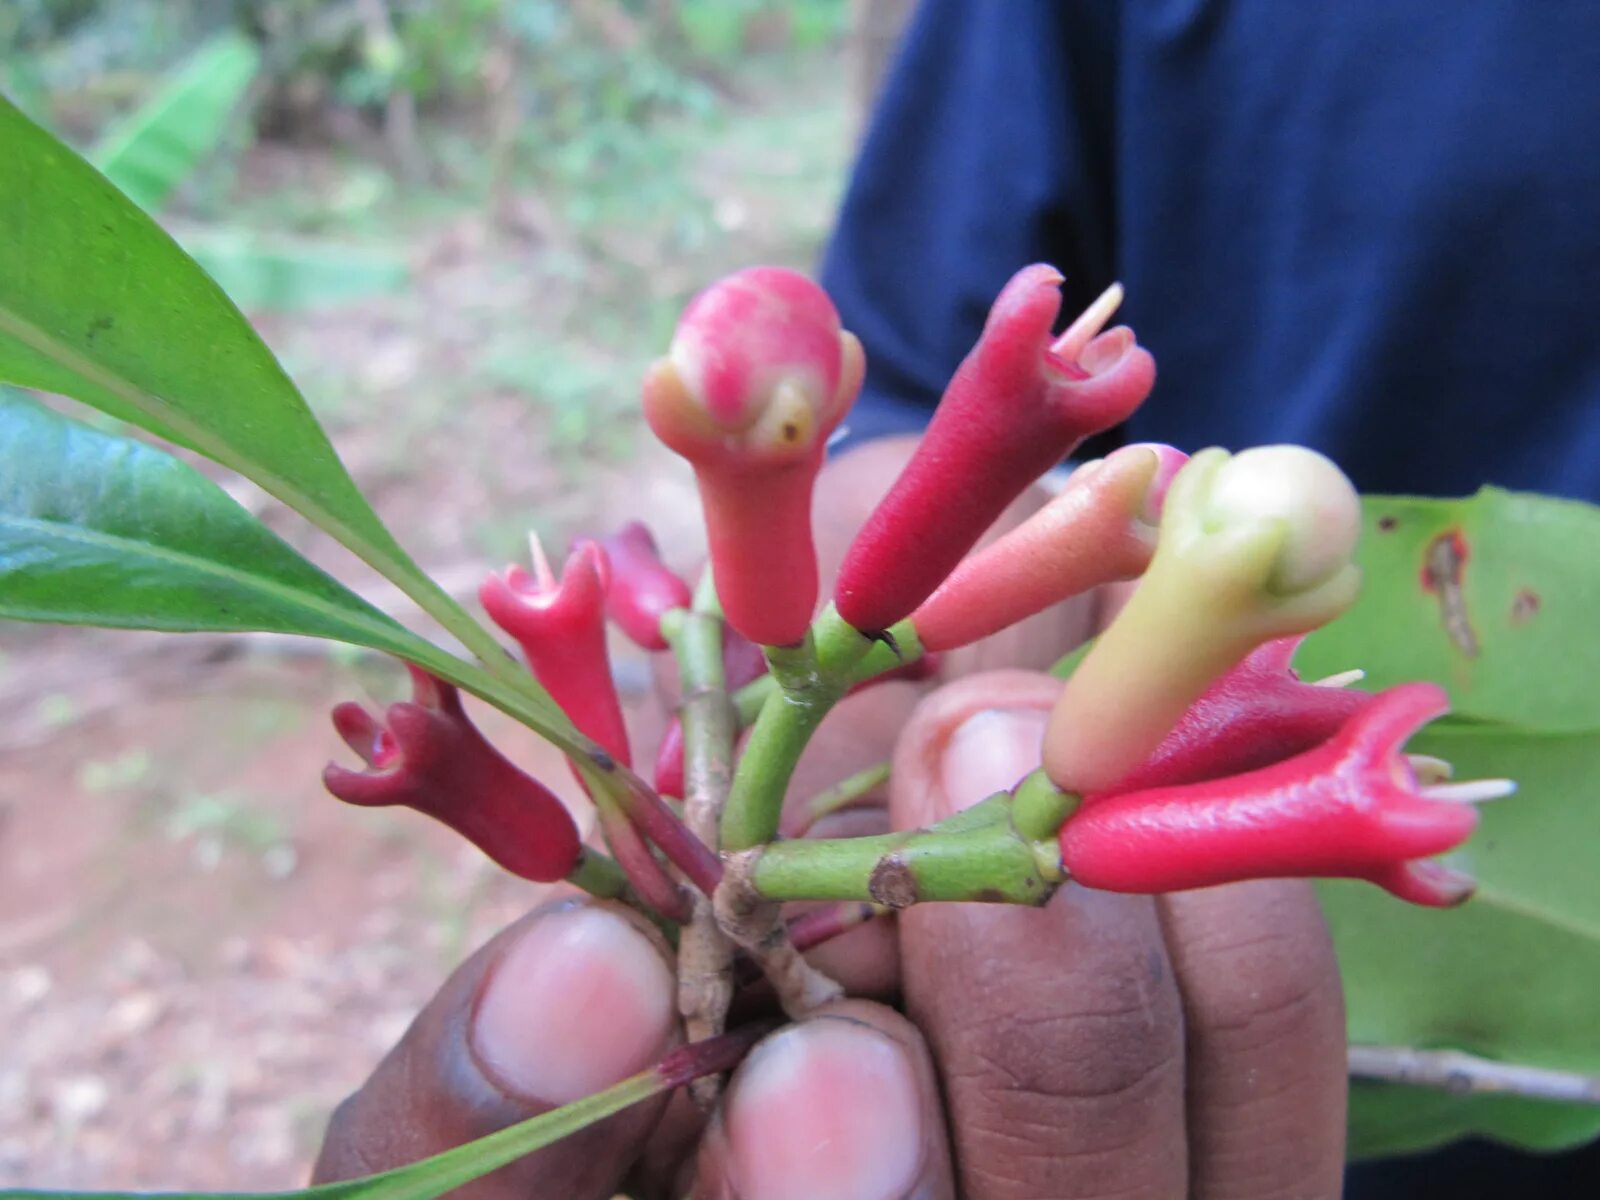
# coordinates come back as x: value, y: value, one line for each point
x: 1510, y: 975
x: 97, y: 529
x: 155, y: 148
x: 1496, y: 597
x: 434, y: 1176
x: 98, y: 303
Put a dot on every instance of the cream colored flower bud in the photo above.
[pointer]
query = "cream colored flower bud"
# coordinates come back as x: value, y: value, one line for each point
x: 1305, y: 490
x: 1252, y: 547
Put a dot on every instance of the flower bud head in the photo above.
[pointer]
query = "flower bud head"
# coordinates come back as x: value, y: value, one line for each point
x: 1302, y: 488
x: 758, y: 376
x: 754, y: 371
x: 1018, y: 404
x: 1250, y: 548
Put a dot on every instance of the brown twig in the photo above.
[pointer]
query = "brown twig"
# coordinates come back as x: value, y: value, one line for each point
x: 756, y: 924
x: 1464, y: 1074
x: 705, y: 956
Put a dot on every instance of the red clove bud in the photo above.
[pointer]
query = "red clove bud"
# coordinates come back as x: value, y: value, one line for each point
x: 758, y: 376
x: 642, y: 589
x: 561, y: 627
x: 427, y: 754
x: 1258, y: 713
x: 669, y: 761
x: 1101, y: 528
x: 1349, y: 808
x: 1017, y: 405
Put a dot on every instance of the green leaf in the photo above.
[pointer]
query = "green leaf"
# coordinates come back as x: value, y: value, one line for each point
x: 98, y: 303
x: 1387, y: 1120
x: 1510, y: 975
x: 293, y: 275
x: 156, y: 147
x: 434, y: 1176
x: 1494, y: 598
x: 97, y: 529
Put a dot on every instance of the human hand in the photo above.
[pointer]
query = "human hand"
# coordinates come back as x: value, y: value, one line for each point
x: 1191, y: 1045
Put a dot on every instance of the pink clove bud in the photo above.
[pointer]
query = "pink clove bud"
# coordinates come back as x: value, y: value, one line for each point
x: 561, y: 627
x: 1351, y: 807
x: 642, y: 589
x: 758, y: 376
x: 426, y: 754
x: 1018, y: 404
x: 1101, y: 528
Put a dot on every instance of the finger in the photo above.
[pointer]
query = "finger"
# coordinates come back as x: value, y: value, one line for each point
x: 843, y: 1105
x: 1266, y: 1041
x: 1058, y: 1031
x: 569, y: 1000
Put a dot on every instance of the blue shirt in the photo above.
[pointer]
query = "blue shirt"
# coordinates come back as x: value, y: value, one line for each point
x: 1371, y: 227
x: 1367, y: 226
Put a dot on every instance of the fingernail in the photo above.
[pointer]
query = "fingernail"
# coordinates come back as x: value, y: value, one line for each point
x: 826, y: 1108
x: 988, y: 753
x: 581, y: 1001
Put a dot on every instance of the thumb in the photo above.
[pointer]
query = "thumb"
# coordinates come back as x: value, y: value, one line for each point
x: 968, y: 740
x: 574, y: 997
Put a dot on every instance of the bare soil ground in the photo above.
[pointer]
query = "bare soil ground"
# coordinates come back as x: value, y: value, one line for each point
x: 200, y: 952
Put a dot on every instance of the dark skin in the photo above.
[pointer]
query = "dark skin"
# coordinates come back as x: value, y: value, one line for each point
x: 1102, y: 1046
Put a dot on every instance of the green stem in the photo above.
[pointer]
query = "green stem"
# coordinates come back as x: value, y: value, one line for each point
x: 977, y: 855
x: 598, y: 874
x: 710, y: 725
x: 878, y: 660
x: 809, y: 680
x: 705, y: 986
x: 843, y: 794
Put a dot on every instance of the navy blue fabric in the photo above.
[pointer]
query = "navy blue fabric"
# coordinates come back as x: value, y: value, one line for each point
x: 1371, y: 227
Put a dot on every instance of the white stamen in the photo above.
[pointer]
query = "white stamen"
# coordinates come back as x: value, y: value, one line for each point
x: 1472, y: 791
x: 1093, y: 319
x: 1342, y: 679
x: 541, y: 565
x: 1428, y: 769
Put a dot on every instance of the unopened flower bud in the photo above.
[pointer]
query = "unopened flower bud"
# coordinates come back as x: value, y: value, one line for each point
x: 1258, y: 713
x: 561, y: 626
x: 1249, y: 549
x: 1018, y: 404
x: 758, y: 376
x: 641, y: 589
x: 1099, y: 529
x: 426, y: 754
x: 1351, y: 807
x: 1319, y: 508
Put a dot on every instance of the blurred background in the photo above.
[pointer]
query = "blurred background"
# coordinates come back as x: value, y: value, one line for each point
x: 465, y: 228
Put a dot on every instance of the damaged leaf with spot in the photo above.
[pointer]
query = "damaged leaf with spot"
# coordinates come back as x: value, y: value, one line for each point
x: 1495, y: 597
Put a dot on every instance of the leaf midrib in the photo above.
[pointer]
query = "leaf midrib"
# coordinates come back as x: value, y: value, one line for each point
x: 111, y: 544
x: 1508, y: 902
x: 173, y: 416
